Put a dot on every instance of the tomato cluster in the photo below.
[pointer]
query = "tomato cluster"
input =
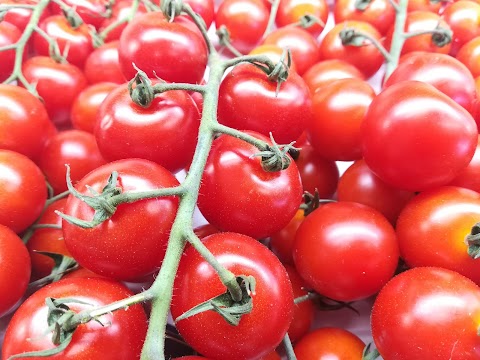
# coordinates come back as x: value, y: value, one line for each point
x: 333, y: 155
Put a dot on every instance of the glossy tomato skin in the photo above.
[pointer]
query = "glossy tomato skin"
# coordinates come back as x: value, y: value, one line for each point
x: 15, y: 269
x: 165, y: 132
x: 112, y: 248
x: 415, y: 137
x: 469, y: 177
x: 469, y: 55
x: 76, y: 148
x: 324, y: 256
x: 57, y: 83
x: 248, y: 100
x: 291, y: 12
x: 9, y: 35
x: 196, y: 282
x: 24, y: 123
x: 103, y: 65
x: 162, y: 49
x: 463, y: 17
x: 90, y: 11
x: 19, y: 16
x: 23, y: 191
x: 429, y: 304
x: 237, y: 194
x: 122, y: 340
x: 120, y: 10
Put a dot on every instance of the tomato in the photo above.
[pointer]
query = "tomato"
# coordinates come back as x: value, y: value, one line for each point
x: 237, y: 194
x: 90, y: 11
x: 112, y: 248
x: 191, y: 357
x: 77, y: 39
x: 329, y: 343
x: 121, y: 340
x: 197, y: 281
x: 326, y: 71
x: 120, y: 10
x: 424, y: 5
x: 274, y: 53
x: 365, y: 58
x: 165, y: 132
x: 439, y: 310
x: 469, y: 177
x: 162, y: 49
x: 324, y: 256
x: 415, y: 137
x: 248, y: 100
x: 464, y: 20
x: 47, y: 239
x: 204, y: 8
x: 469, y: 55
x: 23, y: 191
x: 245, y: 21
x: 291, y: 12
x: 302, y: 44
x: 205, y: 230
x: 379, y: 13
x: 87, y: 104
x: 359, y: 184
x: 282, y: 241
x: 73, y: 147
x: 24, y: 123
x: 272, y: 356
x: 15, y: 269
x: 57, y: 84
x: 338, y: 112
x: 444, y: 72
x: 9, y: 35
x: 19, y: 16
x: 103, y: 65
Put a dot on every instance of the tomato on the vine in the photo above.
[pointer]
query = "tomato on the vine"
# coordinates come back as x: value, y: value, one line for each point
x: 9, y: 35
x: 103, y: 65
x: 291, y: 12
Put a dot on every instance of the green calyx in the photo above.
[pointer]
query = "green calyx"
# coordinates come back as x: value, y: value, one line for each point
x: 142, y: 94
x: 473, y: 242
x: 276, y: 157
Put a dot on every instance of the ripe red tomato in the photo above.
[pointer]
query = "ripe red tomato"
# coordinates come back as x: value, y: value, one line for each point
x: 15, y: 269
x: 237, y: 194
x: 248, y: 100
x: 424, y: 5
x: 325, y: 259
x: 469, y: 177
x: 103, y: 65
x: 282, y: 241
x: 439, y: 310
x: 291, y: 11
x: 165, y: 132
x: 329, y: 343
x: 90, y: 11
x: 73, y: 147
x: 121, y: 338
x: 415, y: 137
x: 197, y: 281
x: 204, y: 8
x: 24, y: 123
x: 162, y: 49
x: 20, y: 16
x: 338, y: 112
x: 469, y: 55
x: 113, y: 248
x: 23, y: 191
x: 274, y: 53
x: 463, y: 17
x: 9, y: 35
x: 120, y: 10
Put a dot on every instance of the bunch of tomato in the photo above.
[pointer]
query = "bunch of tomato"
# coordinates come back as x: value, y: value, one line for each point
x: 133, y: 95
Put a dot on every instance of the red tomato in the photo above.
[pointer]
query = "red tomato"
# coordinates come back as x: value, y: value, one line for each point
x: 329, y: 343
x: 73, y: 147
x: 424, y: 5
x: 120, y: 10
x: 9, y: 35
x: 325, y: 259
x: 469, y: 55
x: 282, y: 241
x: 121, y: 340
x: 23, y: 191
x: 103, y: 65
x: 47, y: 239
x: 90, y: 11
x: 365, y: 58
x: 274, y: 53
x: 302, y: 44
x: 87, y: 104
x: 272, y: 301
x: 359, y: 184
x: 464, y: 20
x: 204, y: 8
x: 291, y: 12
x: 77, y: 39
x: 439, y: 310
x: 15, y: 269
x: 165, y: 132
x: 469, y: 177
x: 19, y: 16
x: 112, y: 248
x: 326, y: 71
x: 237, y: 194
x: 162, y: 49
x: 245, y: 20
x: 444, y: 72
x: 24, y: 123
x: 415, y: 137
x: 338, y: 113
x: 432, y: 227
x: 52, y: 79
x: 248, y: 100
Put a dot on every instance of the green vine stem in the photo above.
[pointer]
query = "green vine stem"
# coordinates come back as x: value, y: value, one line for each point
x: 398, y: 38
x: 133, y: 10
x: 271, y: 18
x: 289, y: 347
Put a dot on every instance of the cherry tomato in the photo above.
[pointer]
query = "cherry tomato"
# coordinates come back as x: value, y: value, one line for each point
x: 15, y: 269
x: 248, y: 100
x: 469, y: 177
x: 204, y: 8
x: 291, y: 12
x: 439, y: 310
x: 282, y: 241
x: 463, y: 17
x: 237, y: 194
x: 469, y: 55
x: 415, y: 137
x: 9, y: 35
x: 112, y: 248
x: 197, y: 281
x: 121, y: 340
x: 424, y: 5
x: 274, y: 52
x: 103, y: 65
x: 90, y: 11
x: 23, y: 191
x: 331, y: 240
x: 120, y: 10
x: 20, y: 16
